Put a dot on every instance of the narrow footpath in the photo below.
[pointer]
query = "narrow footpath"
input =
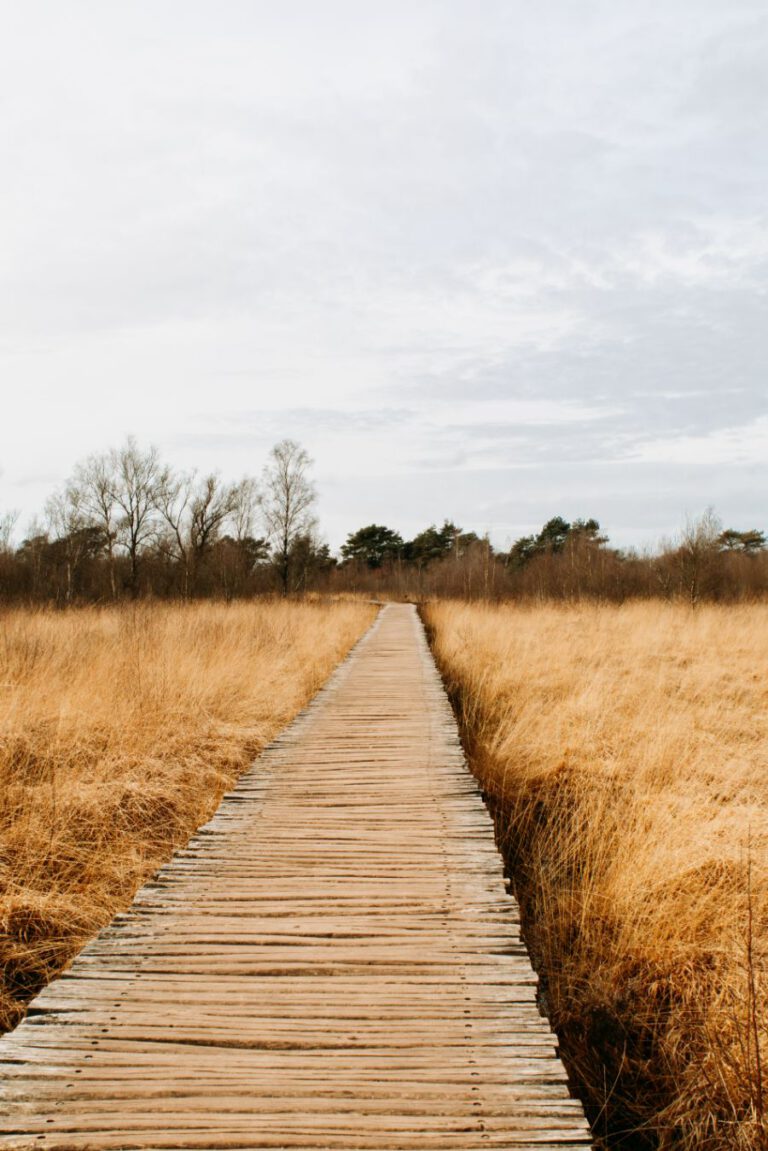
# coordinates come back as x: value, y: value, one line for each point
x: 332, y: 962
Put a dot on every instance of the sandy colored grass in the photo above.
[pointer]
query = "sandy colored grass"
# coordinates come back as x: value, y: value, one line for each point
x: 626, y: 749
x: 119, y: 731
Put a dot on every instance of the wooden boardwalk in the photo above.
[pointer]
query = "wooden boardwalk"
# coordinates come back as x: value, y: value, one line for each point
x: 332, y: 962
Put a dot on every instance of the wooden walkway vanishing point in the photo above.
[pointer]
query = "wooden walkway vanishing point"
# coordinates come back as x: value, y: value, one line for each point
x: 332, y: 962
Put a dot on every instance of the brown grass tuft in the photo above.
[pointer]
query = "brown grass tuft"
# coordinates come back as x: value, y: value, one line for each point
x: 119, y: 731
x: 625, y: 749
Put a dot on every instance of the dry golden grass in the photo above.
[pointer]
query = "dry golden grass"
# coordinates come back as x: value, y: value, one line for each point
x: 119, y: 731
x: 627, y: 751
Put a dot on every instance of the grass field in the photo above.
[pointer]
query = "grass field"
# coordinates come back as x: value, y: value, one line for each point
x: 119, y: 731
x: 626, y: 750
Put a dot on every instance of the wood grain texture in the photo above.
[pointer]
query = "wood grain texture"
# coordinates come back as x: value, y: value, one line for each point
x: 332, y: 962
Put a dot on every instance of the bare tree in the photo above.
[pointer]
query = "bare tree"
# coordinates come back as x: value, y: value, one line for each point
x: 173, y: 499
x: 289, y: 496
x: 94, y: 482
x: 699, y: 552
x: 238, y: 554
x: 136, y: 477
x: 8, y: 521
x: 195, y: 512
x: 246, y: 503
x: 73, y: 528
x: 213, y: 503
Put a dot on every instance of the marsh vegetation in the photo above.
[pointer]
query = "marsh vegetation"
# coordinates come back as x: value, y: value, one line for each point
x: 624, y: 751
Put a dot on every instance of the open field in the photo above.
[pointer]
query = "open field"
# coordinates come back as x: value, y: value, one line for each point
x: 119, y: 731
x: 626, y: 751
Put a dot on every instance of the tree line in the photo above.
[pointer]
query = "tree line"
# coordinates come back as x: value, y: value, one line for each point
x: 564, y: 560
x: 126, y: 525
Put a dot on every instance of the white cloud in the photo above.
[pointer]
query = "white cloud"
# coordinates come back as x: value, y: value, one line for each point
x: 525, y: 239
x: 727, y: 446
x: 714, y: 253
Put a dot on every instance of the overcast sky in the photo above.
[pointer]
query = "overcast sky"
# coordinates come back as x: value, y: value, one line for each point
x: 485, y: 259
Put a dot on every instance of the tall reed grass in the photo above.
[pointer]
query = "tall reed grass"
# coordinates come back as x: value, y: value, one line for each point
x: 625, y: 750
x: 119, y: 731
